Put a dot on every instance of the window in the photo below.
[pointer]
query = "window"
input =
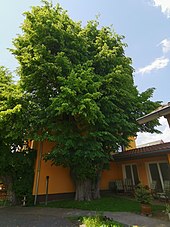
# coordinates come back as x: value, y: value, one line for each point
x: 131, y: 172
x: 159, y: 172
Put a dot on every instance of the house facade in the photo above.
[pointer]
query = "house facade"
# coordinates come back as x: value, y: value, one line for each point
x: 144, y: 164
x: 60, y: 184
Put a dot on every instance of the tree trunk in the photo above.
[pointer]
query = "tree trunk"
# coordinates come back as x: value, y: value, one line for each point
x: 83, y: 190
x: 10, y: 193
x: 96, y: 186
x: 87, y: 190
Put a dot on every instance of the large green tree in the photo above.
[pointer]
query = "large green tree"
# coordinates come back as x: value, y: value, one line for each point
x: 16, y: 161
x: 9, y: 108
x: 80, y: 91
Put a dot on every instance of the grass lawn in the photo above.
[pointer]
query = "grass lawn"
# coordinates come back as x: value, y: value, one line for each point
x: 109, y: 203
x: 4, y: 203
x: 1, y: 203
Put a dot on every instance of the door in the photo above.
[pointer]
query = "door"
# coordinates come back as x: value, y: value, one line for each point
x: 159, y: 172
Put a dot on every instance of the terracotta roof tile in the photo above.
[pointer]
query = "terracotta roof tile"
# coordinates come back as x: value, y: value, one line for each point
x: 158, y: 149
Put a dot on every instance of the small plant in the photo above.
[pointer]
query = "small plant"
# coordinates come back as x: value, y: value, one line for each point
x: 100, y: 221
x: 143, y: 194
x: 167, y: 209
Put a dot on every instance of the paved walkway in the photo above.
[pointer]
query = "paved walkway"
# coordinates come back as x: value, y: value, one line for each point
x: 42, y: 217
x: 131, y: 219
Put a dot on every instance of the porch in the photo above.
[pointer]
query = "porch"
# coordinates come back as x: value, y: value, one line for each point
x: 146, y: 165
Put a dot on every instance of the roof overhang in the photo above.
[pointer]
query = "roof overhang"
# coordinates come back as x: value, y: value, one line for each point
x: 157, y: 150
x: 161, y: 111
x: 124, y: 157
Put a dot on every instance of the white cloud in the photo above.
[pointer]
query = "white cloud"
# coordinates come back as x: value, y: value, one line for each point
x: 165, y: 45
x: 157, y: 64
x: 144, y: 138
x: 164, y: 5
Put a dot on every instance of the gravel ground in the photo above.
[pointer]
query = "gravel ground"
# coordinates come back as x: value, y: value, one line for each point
x: 42, y: 217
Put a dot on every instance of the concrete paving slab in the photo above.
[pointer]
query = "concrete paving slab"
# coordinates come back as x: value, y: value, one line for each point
x: 33, y: 217
x: 42, y: 217
x: 131, y: 219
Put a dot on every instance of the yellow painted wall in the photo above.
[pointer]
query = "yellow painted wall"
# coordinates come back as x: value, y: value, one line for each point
x: 132, y: 143
x: 61, y: 182
x: 59, y: 177
x: 115, y: 172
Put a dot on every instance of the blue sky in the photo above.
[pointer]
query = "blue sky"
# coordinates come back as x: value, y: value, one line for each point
x: 144, y: 23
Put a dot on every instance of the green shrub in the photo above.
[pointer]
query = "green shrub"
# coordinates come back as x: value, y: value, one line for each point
x: 23, y: 176
x: 143, y: 194
x: 100, y: 221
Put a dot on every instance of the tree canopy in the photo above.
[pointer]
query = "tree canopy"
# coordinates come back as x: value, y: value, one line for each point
x: 79, y: 89
x: 16, y: 167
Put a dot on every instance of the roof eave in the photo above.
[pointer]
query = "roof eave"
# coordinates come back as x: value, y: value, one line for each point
x: 156, y: 114
x: 141, y: 155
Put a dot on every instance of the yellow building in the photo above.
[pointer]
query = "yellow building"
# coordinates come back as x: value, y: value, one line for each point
x: 145, y: 165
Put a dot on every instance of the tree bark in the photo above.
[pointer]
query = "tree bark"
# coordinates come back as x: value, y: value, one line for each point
x: 10, y: 193
x: 87, y: 189
x: 96, y: 186
x: 83, y: 190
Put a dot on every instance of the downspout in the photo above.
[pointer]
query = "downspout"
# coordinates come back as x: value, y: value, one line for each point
x: 38, y: 173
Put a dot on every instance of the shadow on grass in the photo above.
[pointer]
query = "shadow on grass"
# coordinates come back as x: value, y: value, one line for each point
x: 109, y: 203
